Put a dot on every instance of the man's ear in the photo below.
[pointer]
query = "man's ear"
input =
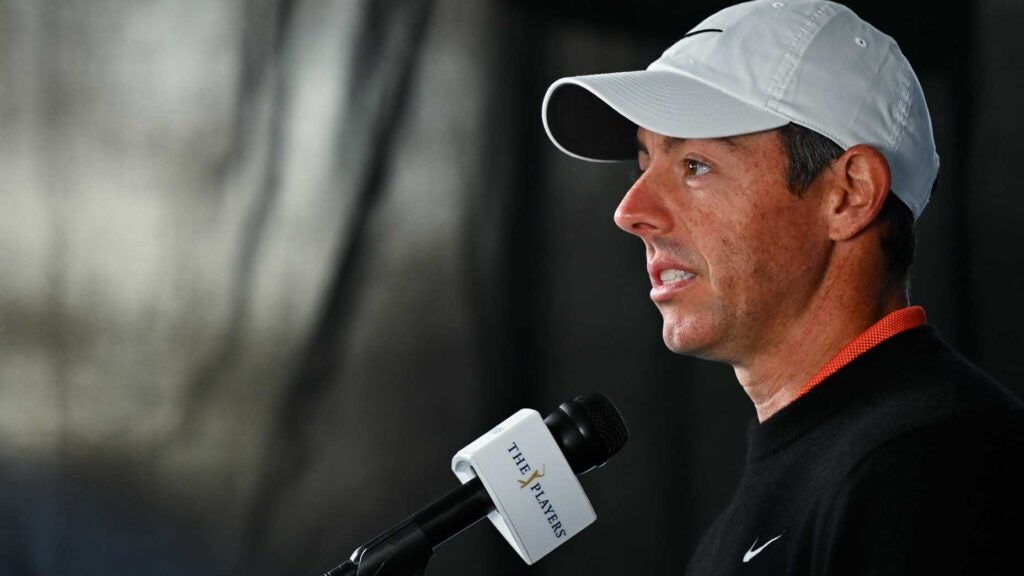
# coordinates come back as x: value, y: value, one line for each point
x: 860, y: 184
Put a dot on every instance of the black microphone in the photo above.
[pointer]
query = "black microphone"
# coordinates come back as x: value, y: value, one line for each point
x: 588, y: 429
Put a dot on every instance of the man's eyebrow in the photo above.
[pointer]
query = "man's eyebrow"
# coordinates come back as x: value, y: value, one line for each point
x: 671, y: 142
x: 729, y: 141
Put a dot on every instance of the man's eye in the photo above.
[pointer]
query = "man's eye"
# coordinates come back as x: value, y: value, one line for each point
x: 696, y: 168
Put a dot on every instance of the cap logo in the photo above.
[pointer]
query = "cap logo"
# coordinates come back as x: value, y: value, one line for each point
x: 695, y: 32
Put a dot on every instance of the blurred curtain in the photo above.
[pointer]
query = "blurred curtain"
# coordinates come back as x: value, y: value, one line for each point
x: 234, y: 251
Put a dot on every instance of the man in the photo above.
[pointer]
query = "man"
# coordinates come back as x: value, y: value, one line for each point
x: 785, y: 151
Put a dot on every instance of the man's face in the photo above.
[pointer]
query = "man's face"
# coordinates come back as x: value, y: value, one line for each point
x: 734, y: 257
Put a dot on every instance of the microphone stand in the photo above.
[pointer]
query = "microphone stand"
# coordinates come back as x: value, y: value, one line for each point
x: 405, y: 549
x: 401, y: 551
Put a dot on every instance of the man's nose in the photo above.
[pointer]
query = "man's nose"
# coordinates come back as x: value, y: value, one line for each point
x: 642, y: 211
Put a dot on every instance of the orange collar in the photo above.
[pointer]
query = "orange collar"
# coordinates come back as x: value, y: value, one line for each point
x: 899, y: 321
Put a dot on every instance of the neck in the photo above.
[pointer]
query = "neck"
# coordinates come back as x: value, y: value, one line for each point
x: 773, y: 376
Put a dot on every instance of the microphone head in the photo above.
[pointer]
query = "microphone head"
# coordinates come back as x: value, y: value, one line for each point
x: 589, y: 430
x: 609, y: 427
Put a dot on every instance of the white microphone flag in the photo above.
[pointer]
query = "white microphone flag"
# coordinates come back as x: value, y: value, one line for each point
x: 538, y: 501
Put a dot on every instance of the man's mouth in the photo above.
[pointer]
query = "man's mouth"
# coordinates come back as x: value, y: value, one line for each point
x: 671, y: 276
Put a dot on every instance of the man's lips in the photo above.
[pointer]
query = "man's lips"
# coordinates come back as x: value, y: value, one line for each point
x: 668, y: 278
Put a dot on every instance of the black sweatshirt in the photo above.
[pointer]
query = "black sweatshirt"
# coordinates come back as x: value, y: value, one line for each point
x: 908, y: 460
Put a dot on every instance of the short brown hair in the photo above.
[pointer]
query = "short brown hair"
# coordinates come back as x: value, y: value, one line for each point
x: 808, y: 153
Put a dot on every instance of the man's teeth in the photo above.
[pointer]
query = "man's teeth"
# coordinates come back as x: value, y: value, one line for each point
x: 670, y: 276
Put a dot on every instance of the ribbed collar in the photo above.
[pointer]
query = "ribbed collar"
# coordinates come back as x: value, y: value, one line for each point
x: 890, y: 325
x: 859, y: 377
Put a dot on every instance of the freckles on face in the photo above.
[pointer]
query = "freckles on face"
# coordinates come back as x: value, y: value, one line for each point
x: 759, y: 227
x: 768, y: 251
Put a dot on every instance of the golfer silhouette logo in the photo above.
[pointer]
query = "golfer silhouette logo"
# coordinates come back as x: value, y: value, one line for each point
x: 536, y: 474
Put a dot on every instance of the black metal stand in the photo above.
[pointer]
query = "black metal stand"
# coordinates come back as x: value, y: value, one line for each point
x: 401, y: 551
x: 405, y: 549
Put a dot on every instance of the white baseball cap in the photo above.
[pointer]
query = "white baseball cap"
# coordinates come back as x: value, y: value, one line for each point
x: 757, y: 66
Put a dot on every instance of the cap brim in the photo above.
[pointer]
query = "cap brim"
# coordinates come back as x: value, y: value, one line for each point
x: 595, y: 117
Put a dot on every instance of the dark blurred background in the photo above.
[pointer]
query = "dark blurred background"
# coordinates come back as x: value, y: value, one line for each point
x: 266, y: 265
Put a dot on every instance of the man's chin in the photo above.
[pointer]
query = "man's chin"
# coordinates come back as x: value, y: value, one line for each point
x: 687, y: 341
x: 679, y: 343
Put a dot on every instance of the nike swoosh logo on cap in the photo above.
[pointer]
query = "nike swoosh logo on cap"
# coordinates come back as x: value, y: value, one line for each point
x: 704, y: 31
x: 754, y: 552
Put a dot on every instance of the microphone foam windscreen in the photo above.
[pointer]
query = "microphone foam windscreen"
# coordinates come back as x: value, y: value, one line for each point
x: 607, y: 422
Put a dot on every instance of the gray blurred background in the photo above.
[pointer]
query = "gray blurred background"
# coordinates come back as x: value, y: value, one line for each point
x: 266, y: 265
